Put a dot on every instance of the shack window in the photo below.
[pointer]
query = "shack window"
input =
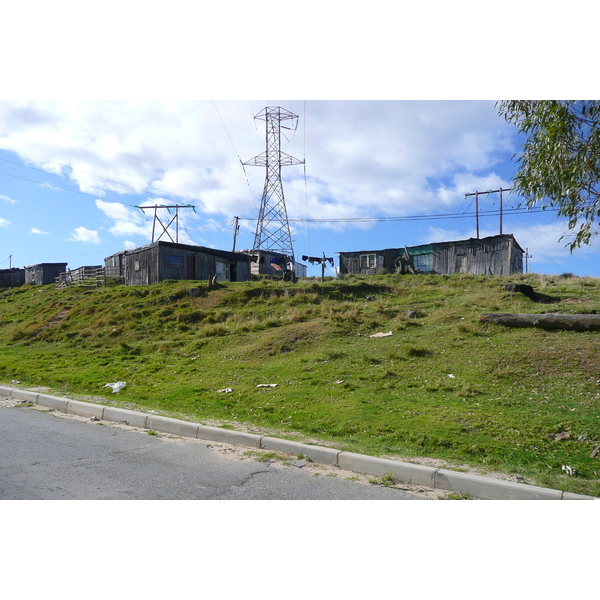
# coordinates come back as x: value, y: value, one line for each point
x: 136, y: 265
x: 368, y: 261
x: 423, y: 262
x: 174, y: 261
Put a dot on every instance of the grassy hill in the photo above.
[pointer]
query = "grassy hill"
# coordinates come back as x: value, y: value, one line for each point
x: 442, y: 386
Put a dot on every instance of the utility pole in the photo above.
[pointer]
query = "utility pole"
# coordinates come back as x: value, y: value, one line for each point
x: 527, y: 257
x: 272, y: 228
x: 236, y: 229
x: 476, y: 194
x: 175, y: 219
x: 500, y: 211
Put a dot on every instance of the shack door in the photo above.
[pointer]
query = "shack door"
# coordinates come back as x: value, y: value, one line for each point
x: 222, y: 269
x: 190, y: 267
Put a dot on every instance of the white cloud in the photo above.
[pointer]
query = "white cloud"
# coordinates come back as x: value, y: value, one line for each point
x: 87, y: 236
x: 38, y: 231
x: 7, y: 199
x: 125, y: 220
x: 544, y: 241
x: 362, y: 158
x: 394, y: 158
x: 454, y: 191
x: 50, y: 186
x: 4, y: 222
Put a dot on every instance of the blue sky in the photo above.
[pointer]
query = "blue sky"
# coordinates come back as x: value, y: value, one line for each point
x: 73, y: 171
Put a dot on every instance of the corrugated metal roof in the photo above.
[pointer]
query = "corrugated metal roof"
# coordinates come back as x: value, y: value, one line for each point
x: 419, y: 250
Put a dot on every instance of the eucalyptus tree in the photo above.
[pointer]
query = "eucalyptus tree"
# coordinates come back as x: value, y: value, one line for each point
x: 559, y: 164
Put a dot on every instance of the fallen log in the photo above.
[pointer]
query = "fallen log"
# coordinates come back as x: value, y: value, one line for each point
x: 545, y: 321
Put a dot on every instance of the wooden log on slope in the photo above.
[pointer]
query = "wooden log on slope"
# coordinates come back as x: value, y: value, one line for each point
x: 546, y: 321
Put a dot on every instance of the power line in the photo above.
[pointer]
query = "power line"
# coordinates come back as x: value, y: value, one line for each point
x: 518, y: 211
x: 237, y: 154
x: 53, y: 186
x: 61, y: 165
x: 347, y: 220
x: 58, y: 187
x: 490, y: 213
x: 476, y: 194
x: 538, y: 243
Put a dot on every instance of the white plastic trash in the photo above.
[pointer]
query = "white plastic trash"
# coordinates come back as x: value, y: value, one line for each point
x: 116, y: 387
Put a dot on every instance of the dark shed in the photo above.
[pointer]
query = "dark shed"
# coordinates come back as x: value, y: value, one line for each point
x: 44, y: 273
x: 160, y: 261
x: 12, y: 277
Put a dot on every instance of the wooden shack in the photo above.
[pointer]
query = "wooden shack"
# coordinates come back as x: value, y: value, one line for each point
x: 494, y: 255
x: 44, y: 273
x: 161, y: 260
x: 12, y: 277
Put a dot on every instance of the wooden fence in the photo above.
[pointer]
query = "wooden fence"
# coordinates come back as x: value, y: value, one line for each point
x: 90, y: 277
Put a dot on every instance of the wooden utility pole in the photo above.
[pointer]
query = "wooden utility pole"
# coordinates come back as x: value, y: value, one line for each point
x: 476, y: 194
x: 527, y: 257
x: 236, y: 229
x: 477, y: 212
x: 500, y: 211
x: 166, y: 227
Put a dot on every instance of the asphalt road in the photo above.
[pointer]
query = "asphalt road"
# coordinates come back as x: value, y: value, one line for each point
x: 48, y: 456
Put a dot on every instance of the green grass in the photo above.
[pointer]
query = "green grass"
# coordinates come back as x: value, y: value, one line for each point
x: 443, y: 386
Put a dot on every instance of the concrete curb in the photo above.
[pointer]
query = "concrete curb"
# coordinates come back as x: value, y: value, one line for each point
x: 486, y: 488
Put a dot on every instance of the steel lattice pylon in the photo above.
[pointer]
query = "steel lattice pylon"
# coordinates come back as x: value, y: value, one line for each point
x: 272, y: 229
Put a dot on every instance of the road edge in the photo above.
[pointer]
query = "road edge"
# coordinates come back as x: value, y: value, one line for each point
x: 476, y: 486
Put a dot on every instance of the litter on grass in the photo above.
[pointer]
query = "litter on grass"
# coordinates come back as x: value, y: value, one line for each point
x: 115, y: 387
x: 226, y: 390
x: 381, y: 334
x: 563, y: 435
x: 266, y: 385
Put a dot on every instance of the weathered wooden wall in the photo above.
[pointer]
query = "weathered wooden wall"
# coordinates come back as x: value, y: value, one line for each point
x: 162, y: 260
x: 385, y: 259
x: 488, y: 256
x: 494, y: 255
x: 44, y: 273
x: 12, y: 277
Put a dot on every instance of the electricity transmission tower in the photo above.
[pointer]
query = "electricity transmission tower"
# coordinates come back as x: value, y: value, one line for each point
x: 272, y: 228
